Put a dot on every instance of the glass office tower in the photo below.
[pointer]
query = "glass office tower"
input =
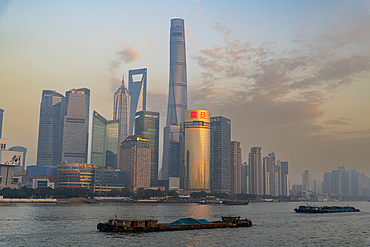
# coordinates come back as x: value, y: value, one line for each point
x: 147, y: 125
x: 104, y: 143
x: 196, y: 150
x: 137, y: 89
x: 76, y: 126
x: 177, y: 95
x: 50, y: 138
x: 220, y: 154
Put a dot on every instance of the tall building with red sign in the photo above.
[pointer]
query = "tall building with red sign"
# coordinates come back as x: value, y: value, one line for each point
x: 196, y: 152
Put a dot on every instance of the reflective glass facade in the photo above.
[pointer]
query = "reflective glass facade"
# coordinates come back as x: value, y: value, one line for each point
x: 220, y: 167
x: 50, y: 139
x: 196, y: 150
x: 76, y: 126
x: 106, y: 180
x: 137, y: 89
x: 104, y: 143
x: 147, y: 125
x: 177, y: 95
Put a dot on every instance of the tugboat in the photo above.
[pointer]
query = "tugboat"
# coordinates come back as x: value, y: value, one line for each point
x: 325, y: 209
x: 126, y: 225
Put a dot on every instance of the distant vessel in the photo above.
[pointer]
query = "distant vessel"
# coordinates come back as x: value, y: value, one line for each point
x: 325, y: 209
x: 236, y: 202
x: 209, y: 202
x: 149, y: 225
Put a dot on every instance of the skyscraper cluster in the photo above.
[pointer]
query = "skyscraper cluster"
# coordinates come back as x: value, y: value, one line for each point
x: 63, y: 127
x: 265, y: 176
x: 198, y: 153
x: 340, y: 182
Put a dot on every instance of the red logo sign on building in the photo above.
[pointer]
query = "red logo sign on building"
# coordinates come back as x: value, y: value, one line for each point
x: 202, y: 115
x: 193, y: 114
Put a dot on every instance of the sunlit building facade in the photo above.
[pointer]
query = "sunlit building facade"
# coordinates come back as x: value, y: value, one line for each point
x: 76, y: 126
x: 135, y: 158
x: 255, y: 176
x: 24, y: 151
x: 104, y: 142
x: 197, y: 150
x: 75, y: 175
x: 137, y: 80
x: 147, y: 125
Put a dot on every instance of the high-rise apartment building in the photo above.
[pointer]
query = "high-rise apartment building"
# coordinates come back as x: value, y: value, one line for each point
x: 244, y: 180
x: 135, y: 161
x: 76, y: 126
x: 137, y: 89
x: 121, y: 111
x: 326, y: 185
x: 177, y: 95
x: 171, y: 162
x: 236, y: 168
x: 220, y: 165
x: 104, y: 141
x: 317, y: 185
x: 271, y: 175
x: 284, y: 178
x: 147, y: 125
x: 306, y: 181
x: 196, y: 150
x: 50, y: 137
x: 255, y: 171
x: 1, y: 121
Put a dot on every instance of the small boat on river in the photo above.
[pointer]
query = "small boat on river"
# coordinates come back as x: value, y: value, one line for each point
x: 325, y: 209
x: 126, y: 225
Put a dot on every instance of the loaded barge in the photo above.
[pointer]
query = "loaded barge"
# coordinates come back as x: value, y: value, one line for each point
x: 325, y: 209
x: 124, y: 225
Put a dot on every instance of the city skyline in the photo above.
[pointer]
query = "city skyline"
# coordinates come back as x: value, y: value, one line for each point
x: 287, y: 74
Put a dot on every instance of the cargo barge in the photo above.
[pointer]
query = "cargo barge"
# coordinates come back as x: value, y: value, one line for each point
x: 325, y: 209
x: 125, y: 225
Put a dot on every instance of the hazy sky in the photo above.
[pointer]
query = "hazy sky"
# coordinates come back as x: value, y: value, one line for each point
x: 293, y: 76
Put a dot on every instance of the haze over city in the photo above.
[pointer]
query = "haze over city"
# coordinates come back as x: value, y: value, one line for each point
x: 293, y: 76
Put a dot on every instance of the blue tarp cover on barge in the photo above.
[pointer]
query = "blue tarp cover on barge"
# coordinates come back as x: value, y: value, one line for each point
x: 189, y: 221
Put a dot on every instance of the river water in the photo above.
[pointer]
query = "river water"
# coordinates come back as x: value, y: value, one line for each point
x: 274, y: 224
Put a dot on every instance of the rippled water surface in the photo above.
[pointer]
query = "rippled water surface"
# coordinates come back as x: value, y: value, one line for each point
x: 274, y: 224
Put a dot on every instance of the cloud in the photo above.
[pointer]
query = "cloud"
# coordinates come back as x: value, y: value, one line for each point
x: 189, y: 32
x: 237, y: 15
x: 129, y: 54
x: 111, y: 33
x: 338, y: 122
x: 197, y: 16
x: 217, y: 26
x: 191, y: 48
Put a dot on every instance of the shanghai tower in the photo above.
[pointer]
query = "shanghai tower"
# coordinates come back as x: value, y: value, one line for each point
x: 177, y: 102
x: 177, y: 96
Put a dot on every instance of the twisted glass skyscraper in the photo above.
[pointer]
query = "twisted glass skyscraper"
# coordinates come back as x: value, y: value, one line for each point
x: 177, y: 101
x: 177, y: 95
